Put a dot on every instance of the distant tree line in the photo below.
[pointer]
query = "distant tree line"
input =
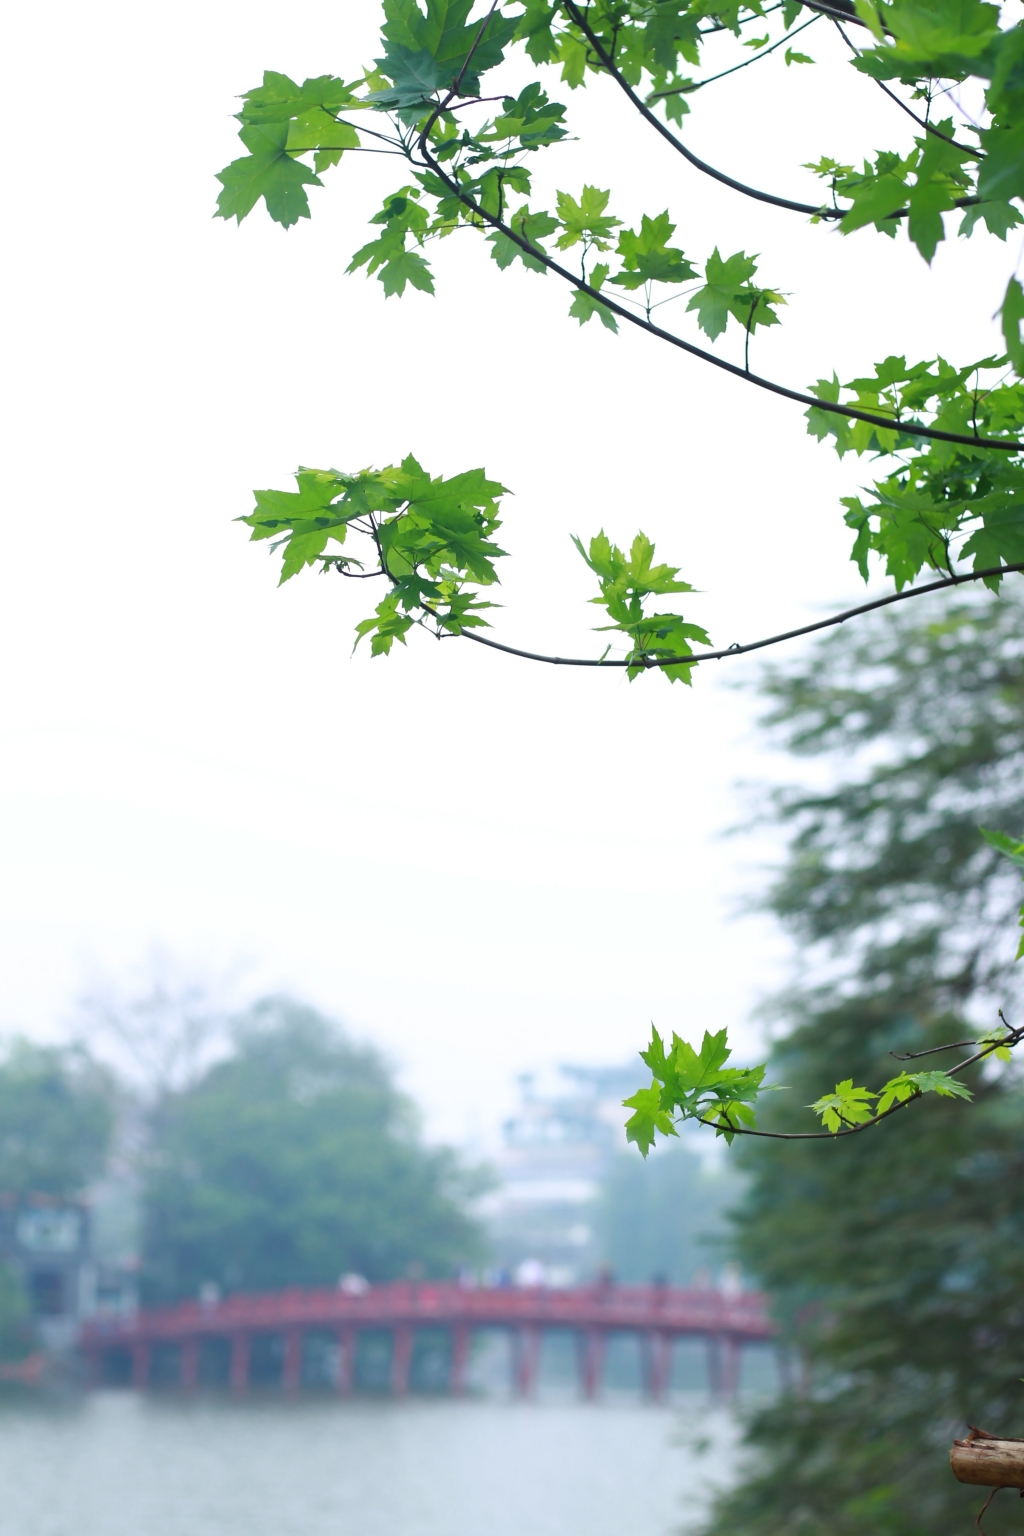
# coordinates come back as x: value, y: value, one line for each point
x: 290, y: 1161
x: 895, y: 1264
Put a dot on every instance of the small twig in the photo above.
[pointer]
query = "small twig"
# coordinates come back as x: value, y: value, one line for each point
x: 697, y: 85
x: 983, y: 1508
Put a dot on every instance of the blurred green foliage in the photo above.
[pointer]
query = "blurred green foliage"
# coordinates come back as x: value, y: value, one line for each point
x: 16, y: 1336
x: 293, y: 1161
x: 57, y: 1112
x: 895, y: 1261
x: 665, y: 1218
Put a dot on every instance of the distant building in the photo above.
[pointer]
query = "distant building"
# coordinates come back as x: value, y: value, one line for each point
x: 45, y: 1242
x: 556, y: 1152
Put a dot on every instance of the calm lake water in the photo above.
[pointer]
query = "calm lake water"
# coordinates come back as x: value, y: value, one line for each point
x: 117, y: 1464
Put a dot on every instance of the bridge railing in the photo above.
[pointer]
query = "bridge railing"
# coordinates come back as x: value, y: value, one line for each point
x: 658, y: 1314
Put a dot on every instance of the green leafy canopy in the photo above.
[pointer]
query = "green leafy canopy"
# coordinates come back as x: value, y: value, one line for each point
x: 946, y: 493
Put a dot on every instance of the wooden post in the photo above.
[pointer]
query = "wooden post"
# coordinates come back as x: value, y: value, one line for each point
x: 401, y: 1359
x: 593, y: 1343
x: 460, y: 1358
x: 238, y: 1374
x: 189, y: 1364
x: 291, y: 1369
x: 346, y: 1359
x: 527, y: 1359
x: 988, y: 1461
x: 140, y: 1364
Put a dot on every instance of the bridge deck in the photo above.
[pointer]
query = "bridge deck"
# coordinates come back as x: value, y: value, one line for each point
x: 664, y: 1309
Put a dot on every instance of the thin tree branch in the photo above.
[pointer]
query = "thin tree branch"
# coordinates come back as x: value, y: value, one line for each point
x: 920, y: 121
x: 833, y: 408
x: 652, y: 663
x: 954, y: 1045
x: 1008, y: 1042
x: 835, y: 9
x: 697, y: 85
x: 830, y: 407
x: 820, y: 210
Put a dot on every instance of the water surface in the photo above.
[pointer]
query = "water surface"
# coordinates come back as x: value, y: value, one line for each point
x: 118, y: 1464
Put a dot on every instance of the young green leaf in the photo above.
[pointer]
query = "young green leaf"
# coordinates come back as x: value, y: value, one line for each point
x: 584, y: 305
x: 648, y: 1118
x: 585, y: 220
x: 647, y: 256
x: 847, y: 1106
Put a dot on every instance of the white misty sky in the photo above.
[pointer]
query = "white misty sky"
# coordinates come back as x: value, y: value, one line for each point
x: 481, y: 865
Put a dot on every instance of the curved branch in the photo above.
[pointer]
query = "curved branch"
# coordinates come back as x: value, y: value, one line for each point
x: 653, y: 663
x: 832, y: 408
x: 829, y: 407
x: 920, y: 121
x: 819, y: 210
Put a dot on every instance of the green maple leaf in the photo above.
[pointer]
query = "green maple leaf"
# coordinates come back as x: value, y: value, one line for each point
x: 305, y: 519
x: 1014, y: 851
x: 445, y: 36
x: 647, y: 1119
x: 847, y: 1106
x: 529, y: 117
x: 911, y: 1085
x: 647, y: 256
x: 415, y: 76
x: 727, y: 291
x: 692, y: 1069
x: 1012, y: 312
x: 584, y: 306
x: 585, y: 219
x: 532, y: 227
x: 279, y: 98
x: 268, y: 171
x: 998, y: 217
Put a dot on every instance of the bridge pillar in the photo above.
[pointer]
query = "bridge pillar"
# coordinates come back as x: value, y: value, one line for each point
x: 527, y: 1359
x: 401, y: 1359
x: 346, y: 1359
x: 291, y: 1368
x: 714, y: 1358
x: 238, y: 1371
x: 731, y: 1367
x: 657, y: 1363
x: 460, y: 1358
x: 93, y: 1366
x: 140, y: 1364
x: 189, y: 1364
x: 592, y: 1351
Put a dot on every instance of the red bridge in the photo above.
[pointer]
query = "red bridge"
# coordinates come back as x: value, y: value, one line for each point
x: 198, y: 1342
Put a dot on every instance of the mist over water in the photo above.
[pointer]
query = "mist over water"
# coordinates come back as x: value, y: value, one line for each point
x: 119, y: 1464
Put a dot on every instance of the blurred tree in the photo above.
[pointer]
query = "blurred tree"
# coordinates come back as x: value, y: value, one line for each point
x: 56, y: 1119
x: 896, y: 1263
x: 665, y: 1218
x: 16, y: 1336
x: 293, y: 1161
